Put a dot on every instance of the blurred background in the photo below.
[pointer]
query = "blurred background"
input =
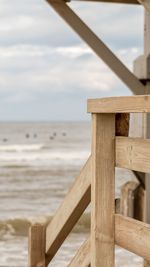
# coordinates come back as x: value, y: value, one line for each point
x: 46, y: 75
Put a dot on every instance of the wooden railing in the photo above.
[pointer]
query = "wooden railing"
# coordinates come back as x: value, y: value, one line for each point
x: 96, y: 184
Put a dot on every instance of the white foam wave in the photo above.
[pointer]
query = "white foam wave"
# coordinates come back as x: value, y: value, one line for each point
x: 21, y: 147
x: 42, y: 158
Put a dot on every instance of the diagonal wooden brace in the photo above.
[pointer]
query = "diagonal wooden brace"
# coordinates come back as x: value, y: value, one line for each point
x: 97, y: 46
x: 83, y: 256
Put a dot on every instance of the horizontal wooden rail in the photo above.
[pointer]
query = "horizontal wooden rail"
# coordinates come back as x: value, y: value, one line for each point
x: 124, y: 104
x: 133, y: 154
x: 133, y: 235
x: 69, y: 212
x: 82, y: 257
x: 130, y: 234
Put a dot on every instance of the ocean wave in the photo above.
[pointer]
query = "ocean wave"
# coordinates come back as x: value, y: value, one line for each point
x: 21, y: 147
x: 20, y: 226
x: 38, y: 158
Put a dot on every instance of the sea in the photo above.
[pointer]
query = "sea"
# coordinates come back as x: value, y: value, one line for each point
x: 38, y: 163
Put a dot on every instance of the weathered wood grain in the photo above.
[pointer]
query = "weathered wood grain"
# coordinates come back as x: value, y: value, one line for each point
x: 127, y: 198
x: 133, y: 235
x: 133, y: 153
x: 36, y: 246
x: 124, y: 104
x: 103, y: 190
x: 82, y: 257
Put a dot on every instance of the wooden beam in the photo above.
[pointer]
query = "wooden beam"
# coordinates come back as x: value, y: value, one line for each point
x: 133, y: 235
x: 124, y: 104
x: 37, y: 246
x: 83, y: 256
x: 103, y: 191
x: 133, y: 154
x: 69, y: 212
x: 97, y: 45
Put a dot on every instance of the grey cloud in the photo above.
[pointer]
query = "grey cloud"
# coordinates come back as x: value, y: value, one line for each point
x: 33, y: 69
x: 35, y: 22
x: 45, y: 66
x: 118, y: 25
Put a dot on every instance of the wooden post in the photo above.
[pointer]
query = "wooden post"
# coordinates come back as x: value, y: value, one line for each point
x: 147, y: 135
x: 127, y: 198
x: 147, y: 120
x: 103, y: 191
x: 139, y: 204
x: 142, y: 71
x: 132, y: 200
x: 37, y: 246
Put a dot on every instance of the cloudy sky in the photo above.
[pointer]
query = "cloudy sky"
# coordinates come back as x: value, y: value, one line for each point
x: 46, y: 70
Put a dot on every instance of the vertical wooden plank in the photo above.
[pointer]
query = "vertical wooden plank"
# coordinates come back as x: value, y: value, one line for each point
x: 147, y: 35
x: 145, y: 118
x: 37, y: 246
x: 147, y: 135
x: 139, y: 203
x: 128, y: 198
x: 147, y: 123
x: 103, y: 191
x: 147, y: 128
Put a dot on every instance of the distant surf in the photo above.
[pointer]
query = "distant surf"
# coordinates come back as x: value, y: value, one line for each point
x: 39, y: 155
x: 21, y: 147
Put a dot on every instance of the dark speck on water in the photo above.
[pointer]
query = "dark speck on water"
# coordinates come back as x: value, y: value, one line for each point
x: 27, y: 135
x: 51, y: 138
x: 64, y: 134
x: 54, y: 134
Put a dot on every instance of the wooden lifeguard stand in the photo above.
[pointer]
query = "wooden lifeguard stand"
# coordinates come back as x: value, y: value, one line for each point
x: 43, y: 246
x: 96, y: 185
